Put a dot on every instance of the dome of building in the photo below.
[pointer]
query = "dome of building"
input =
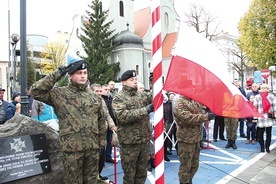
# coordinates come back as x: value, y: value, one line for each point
x: 127, y: 37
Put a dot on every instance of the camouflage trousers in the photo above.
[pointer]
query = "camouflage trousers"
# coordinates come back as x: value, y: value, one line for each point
x: 81, y: 167
x: 134, y: 163
x: 231, y: 126
x: 189, y: 161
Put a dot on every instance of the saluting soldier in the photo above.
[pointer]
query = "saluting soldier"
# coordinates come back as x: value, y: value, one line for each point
x: 131, y: 109
x: 81, y: 120
x: 189, y: 116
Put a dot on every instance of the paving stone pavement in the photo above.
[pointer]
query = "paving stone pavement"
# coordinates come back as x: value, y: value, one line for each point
x: 218, y: 165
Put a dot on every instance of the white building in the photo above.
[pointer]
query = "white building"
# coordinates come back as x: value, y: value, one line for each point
x: 134, y: 28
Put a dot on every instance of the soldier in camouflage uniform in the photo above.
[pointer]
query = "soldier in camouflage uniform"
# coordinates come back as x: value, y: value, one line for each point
x: 131, y: 110
x: 81, y: 120
x: 231, y: 125
x: 189, y: 116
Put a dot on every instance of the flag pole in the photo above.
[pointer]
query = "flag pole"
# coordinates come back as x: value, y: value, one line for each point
x: 157, y: 91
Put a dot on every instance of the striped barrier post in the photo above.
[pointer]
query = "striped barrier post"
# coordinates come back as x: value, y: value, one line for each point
x: 157, y: 91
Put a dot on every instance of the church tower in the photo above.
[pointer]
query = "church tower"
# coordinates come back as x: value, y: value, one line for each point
x: 121, y: 12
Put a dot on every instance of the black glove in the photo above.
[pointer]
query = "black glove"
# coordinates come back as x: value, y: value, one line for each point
x: 64, y: 69
x: 150, y: 108
x: 211, y: 116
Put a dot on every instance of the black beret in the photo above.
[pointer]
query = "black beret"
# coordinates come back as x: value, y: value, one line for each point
x: 78, y: 65
x: 128, y: 74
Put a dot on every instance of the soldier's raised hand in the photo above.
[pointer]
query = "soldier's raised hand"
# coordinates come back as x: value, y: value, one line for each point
x: 64, y: 69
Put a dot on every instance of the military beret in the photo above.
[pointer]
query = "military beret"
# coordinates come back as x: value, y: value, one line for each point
x: 75, y: 64
x: 78, y: 65
x: 128, y: 74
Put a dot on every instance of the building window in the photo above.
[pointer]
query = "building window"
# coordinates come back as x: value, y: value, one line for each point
x: 118, y: 58
x: 137, y: 70
x: 166, y: 17
x: 121, y: 5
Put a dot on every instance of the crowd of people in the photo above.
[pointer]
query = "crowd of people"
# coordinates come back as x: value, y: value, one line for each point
x: 88, y: 115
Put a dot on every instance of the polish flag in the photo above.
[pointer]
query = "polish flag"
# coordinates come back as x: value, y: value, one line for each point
x: 198, y: 71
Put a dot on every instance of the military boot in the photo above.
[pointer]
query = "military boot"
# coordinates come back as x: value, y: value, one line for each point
x: 152, y: 163
x: 229, y: 144
x: 149, y: 166
x: 234, y: 144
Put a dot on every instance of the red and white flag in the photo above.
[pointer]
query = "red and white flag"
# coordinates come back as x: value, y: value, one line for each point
x: 198, y: 71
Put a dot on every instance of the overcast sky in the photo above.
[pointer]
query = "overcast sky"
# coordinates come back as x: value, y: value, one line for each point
x: 46, y: 17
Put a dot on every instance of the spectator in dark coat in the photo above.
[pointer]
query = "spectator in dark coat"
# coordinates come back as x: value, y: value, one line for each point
x: 11, y: 109
x: 3, y: 106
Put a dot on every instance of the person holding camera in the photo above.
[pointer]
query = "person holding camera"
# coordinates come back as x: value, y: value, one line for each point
x: 81, y: 120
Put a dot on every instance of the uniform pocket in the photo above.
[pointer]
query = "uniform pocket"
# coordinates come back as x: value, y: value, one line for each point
x: 71, y: 142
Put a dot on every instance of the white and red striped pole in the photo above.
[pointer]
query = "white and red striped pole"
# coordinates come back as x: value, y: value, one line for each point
x: 157, y: 91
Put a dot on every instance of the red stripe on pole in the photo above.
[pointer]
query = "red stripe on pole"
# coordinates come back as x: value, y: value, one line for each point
x: 156, y: 44
x: 157, y: 92
x: 160, y: 180
x: 155, y: 16
x: 157, y: 72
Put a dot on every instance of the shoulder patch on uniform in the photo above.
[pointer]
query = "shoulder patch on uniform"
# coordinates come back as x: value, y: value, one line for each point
x: 180, y: 105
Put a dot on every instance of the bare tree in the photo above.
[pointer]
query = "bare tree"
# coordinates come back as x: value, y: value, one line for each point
x: 239, y: 66
x: 203, y: 22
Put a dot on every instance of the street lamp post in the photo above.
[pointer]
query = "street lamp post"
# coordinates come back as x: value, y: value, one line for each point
x: 14, y: 39
x: 272, y: 69
x: 23, y: 59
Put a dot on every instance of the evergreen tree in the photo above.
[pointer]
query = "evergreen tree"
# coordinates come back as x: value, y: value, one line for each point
x: 31, y: 73
x: 97, y: 43
x: 31, y: 77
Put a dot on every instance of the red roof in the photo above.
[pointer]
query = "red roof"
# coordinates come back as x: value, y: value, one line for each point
x: 168, y: 44
x: 142, y: 21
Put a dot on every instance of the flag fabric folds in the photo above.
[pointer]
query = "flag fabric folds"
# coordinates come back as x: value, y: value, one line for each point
x: 198, y: 70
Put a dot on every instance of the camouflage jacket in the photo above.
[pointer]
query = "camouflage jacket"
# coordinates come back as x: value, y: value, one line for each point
x: 79, y: 110
x: 108, y: 120
x: 189, y: 117
x: 129, y: 107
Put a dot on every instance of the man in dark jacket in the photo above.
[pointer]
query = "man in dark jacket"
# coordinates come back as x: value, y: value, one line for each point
x: 3, y: 106
x: 14, y: 105
x: 131, y: 109
x: 108, y: 102
x: 81, y: 120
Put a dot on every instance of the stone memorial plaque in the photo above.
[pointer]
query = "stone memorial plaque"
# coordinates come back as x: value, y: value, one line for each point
x: 23, y: 156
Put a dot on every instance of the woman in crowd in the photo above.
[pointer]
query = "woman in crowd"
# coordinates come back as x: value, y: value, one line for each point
x: 266, y: 105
